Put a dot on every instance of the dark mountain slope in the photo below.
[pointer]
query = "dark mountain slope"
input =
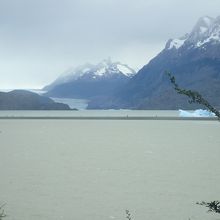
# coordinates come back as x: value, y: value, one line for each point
x: 193, y: 59
x: 25, y: 100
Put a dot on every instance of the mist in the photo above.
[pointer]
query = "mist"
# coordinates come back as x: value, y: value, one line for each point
x: 41, y: 39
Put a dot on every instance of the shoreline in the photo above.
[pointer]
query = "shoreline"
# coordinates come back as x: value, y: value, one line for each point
x: 109, y: 118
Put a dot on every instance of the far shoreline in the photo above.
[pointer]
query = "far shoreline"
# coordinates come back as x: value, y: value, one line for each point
x: 162, y: 118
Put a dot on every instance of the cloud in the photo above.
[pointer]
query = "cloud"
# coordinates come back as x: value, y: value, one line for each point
x: 40, y: 39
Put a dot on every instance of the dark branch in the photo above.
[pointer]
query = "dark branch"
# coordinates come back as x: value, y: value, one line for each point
x: 2, y: 212
x: 128, y: 215
x: 194, y: 97
x: 213, y: 206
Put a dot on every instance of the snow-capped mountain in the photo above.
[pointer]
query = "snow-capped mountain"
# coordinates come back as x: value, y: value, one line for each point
x: 193, y: 59
x: 90, y: 80
x: 206, y: 31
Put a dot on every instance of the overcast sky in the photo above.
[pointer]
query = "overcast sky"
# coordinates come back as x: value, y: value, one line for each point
x: 40, y: 39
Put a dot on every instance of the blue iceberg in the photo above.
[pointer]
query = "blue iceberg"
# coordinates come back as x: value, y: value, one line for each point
x: 196, y: 113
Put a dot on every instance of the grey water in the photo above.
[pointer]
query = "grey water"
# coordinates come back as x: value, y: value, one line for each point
x: 96, y: 169
x: 90, y: 113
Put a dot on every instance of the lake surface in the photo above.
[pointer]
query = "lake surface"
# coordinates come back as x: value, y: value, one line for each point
x: 90, y: 113
x: 95, y: 169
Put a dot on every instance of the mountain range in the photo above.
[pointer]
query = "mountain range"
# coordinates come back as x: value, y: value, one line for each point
x: 194, y: 60
x: 91, y: 81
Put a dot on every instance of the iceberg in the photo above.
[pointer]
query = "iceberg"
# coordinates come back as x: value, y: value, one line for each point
x: 196, y: 113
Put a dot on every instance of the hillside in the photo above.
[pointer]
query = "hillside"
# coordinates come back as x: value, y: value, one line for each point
x: 25, y: 100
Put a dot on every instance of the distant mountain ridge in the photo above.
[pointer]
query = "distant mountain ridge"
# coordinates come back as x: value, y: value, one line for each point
x: 26, y: 100
x: 89, y: 81
x: 206, y: 31
x: 193, y: 59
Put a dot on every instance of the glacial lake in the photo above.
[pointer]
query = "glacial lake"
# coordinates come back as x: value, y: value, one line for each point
x: 96, y: 169
x: 90, y: 113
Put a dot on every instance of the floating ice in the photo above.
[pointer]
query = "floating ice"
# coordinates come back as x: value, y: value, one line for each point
x: 196, y: 113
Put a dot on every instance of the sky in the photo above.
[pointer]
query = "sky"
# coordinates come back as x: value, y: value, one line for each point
x: 41, y: 39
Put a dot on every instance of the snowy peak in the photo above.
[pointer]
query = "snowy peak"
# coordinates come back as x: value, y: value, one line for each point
x: 103, y: 70
x: 91, y: 81
x: 212, y: 35
x: 206, y: 30
x: 73, y: 74
x: 176, y: 43
x: 107, y: 68
x: 214, y: 30
x: 203, y: 24
x: 207, y: 20
x: 200, y: 29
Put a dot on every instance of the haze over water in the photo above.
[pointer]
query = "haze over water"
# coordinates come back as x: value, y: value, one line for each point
x: 73, y: 169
